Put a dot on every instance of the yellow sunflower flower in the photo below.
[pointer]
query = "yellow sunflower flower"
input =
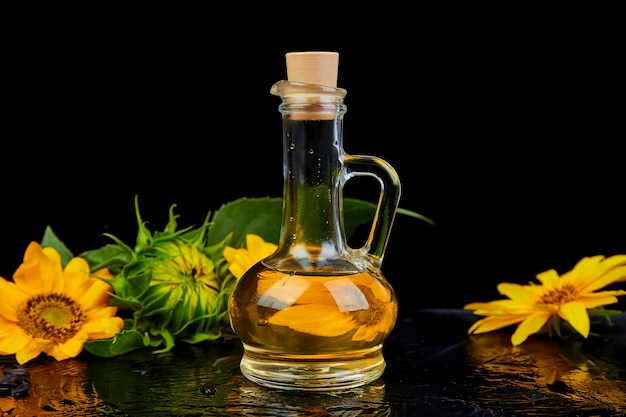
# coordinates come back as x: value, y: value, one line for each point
x: 571, y: 297
x: 51, y: 310
x: 240, y: 260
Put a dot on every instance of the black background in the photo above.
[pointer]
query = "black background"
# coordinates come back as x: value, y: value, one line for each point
x: 507, y: 131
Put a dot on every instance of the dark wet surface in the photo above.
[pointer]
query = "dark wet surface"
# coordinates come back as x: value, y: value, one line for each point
x: 433, y: 369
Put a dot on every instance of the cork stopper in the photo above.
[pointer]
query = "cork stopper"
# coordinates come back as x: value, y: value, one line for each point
x: 320, y: 68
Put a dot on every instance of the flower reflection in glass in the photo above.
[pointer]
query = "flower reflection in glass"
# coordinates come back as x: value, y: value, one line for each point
x: 54, y: 310
x: 360, y: 305
x: 567, y: 299
x: 328, y: 308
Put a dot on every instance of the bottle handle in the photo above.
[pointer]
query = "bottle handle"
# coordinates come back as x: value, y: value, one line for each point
x: 369, y: 166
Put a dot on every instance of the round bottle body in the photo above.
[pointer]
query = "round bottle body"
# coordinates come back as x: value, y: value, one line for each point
x: 312, y: 331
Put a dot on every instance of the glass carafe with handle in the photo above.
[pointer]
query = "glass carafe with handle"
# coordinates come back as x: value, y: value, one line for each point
x: 315, y: 313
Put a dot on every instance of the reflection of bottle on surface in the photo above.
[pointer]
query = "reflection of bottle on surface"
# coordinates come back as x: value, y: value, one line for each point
x: 314, y: 314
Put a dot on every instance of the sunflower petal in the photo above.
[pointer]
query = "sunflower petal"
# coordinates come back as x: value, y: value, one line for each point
x: 548, y: 278
x: 11, y: 297
x: 41, y: 271
x: 530, y: 325
x: 30, y: 351
x: 576, y: 315
x: 519, y: 293
x: 492, y: 323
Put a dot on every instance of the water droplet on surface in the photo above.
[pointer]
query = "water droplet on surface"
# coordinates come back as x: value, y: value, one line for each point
x: 208, y: 389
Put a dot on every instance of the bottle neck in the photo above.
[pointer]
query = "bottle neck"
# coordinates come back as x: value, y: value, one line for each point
x: 312, y: 230
x: 312, y: 162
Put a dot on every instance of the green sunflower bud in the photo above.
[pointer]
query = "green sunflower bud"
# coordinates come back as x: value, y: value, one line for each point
x: 174, y: 286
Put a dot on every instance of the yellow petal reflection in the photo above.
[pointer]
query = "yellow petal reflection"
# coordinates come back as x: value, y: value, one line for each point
x: 314, y: 319
x: 283, y: 293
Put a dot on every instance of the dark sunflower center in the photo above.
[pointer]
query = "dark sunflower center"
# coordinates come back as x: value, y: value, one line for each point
x: 54, y: 317
x: 560, y: 296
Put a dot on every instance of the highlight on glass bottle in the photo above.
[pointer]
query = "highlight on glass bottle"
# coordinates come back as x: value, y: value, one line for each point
x: 314, y: 314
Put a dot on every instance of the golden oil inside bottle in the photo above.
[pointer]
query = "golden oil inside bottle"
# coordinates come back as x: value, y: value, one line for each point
x: 312, y: 331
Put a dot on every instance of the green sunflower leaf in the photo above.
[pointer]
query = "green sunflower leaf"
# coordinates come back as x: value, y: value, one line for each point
x: 50, y: 239
x: 166, y: 337
x: 110, y: 256
x: 415, y: 215
x: 123, y: 342
x: 356, y: 213
x: 202, y: 337
x: 261, y: 216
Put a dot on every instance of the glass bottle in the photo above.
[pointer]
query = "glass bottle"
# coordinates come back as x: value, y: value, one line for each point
x: 314, y: 314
